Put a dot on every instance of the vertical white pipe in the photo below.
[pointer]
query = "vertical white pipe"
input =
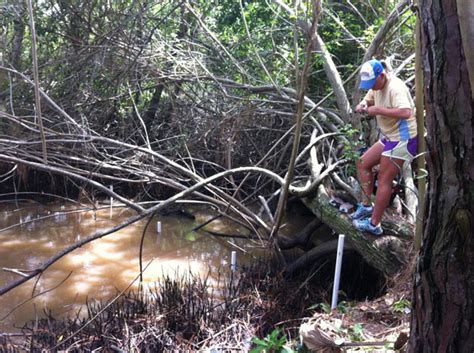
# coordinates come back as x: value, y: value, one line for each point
x: 158, y: 227
x: 111, y: 200
x: 233, y: 261
x: 337, y: 271
x: 158, y: 233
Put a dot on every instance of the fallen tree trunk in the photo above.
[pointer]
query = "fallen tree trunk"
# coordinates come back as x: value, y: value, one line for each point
x: 386, y: 253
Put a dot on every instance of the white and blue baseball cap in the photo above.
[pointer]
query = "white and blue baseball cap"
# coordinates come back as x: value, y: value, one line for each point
x: 369, y: 73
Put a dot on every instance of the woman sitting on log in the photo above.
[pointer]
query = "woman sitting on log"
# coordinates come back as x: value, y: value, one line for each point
x: 389, y: 100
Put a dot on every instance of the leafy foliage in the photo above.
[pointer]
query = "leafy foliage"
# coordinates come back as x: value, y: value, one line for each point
x: 326, y: 308
x: 401, y: 306
x: 275, y: 341
x: 352, y: 147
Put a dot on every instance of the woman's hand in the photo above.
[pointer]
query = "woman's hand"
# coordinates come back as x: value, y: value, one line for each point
x: 362, y: 107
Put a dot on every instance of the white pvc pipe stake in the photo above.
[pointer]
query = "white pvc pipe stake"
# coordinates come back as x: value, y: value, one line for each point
x: 337, y: 271
x: 158, y: 233
x: 111, y: 187
x: 233, y: 261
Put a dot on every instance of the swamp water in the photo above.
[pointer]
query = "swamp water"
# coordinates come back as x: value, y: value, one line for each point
x: 101, y: 269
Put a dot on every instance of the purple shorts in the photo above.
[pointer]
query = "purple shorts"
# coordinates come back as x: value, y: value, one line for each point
x: 405, y: 150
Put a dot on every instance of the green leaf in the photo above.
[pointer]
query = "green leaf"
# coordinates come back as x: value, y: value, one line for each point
x: 257, y: 349
x: 258, y: 341
x: 357, y: 329
x: 190, y: 236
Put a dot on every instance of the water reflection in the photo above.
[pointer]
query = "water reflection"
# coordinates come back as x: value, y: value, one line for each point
x: 100, y: 269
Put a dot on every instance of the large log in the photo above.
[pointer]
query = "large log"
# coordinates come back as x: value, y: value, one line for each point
x: 384, y: 252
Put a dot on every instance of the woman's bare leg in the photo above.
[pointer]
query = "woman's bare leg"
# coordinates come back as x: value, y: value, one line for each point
x: 389, y: 168
x: 364, y: 170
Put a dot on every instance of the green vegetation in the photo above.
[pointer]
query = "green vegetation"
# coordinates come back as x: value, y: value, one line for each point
x: 275, y: 341
x: 401, y: 306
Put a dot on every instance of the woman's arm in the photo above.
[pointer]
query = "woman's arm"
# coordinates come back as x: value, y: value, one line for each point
x: 400, y: 113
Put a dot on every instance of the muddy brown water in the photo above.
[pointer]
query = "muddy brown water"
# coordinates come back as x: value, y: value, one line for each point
x: 101, y: 269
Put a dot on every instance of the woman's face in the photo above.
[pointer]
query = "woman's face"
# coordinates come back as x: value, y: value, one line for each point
x: 380, y: 82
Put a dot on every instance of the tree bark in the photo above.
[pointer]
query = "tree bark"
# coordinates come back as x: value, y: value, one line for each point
x: 443, y: 304
x: 154, y: 103
x: 466, y: 14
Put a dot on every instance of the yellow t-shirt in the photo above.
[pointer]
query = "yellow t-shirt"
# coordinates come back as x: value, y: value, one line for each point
x: 395, y: 94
